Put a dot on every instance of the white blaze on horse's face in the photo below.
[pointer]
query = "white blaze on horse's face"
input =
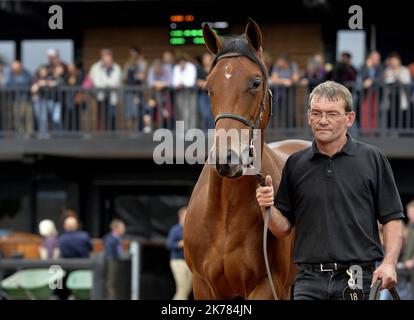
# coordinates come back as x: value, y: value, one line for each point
x: 228, y: 72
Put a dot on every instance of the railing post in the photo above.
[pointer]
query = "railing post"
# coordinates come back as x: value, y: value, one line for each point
x: 98, y: 291
x: 135, y: 250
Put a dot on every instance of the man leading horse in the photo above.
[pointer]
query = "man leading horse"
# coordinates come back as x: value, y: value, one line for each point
x: 332, y: 194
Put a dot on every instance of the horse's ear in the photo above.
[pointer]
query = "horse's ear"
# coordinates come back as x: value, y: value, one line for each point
x: 212, y: 40
x: 253, y: 34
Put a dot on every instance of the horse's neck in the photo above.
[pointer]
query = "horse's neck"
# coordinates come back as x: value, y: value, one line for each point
x: 231, y: 191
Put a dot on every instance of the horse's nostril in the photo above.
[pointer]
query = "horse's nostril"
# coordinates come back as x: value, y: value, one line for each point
x: 233, y: 157
x: 223, y: 169
x: 231, y: 167
x: 229, y: 156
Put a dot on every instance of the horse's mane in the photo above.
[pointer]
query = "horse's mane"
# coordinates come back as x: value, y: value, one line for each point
x: 240, y: 45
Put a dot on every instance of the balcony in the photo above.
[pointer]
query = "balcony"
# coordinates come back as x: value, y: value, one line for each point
x: 111, y: 123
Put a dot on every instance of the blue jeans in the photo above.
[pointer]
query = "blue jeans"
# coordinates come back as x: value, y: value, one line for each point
x: 207, y: 120
x: 132, y: 102
x: 45, y: 107
x: 403, y: 288
x: 328, y: 285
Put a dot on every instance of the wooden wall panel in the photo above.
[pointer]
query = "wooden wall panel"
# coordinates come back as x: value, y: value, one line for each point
x: 300, y: 41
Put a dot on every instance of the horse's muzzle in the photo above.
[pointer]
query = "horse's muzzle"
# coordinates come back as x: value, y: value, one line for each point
x: 231, y: 166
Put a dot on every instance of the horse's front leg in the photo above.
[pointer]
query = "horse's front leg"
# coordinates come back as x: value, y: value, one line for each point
x: 262, y: 291
x: 201, y: 289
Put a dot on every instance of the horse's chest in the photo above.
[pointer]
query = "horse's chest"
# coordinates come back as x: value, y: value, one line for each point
x: 230, y: 264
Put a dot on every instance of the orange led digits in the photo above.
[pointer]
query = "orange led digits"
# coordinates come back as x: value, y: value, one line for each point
x: 189, y: 18
x: 177, y: 18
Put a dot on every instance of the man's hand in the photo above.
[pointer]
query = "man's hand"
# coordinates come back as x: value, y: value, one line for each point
x: 265, y: 195
x: 387, y: 273
x: 393, y: 235
x: 278, y: 224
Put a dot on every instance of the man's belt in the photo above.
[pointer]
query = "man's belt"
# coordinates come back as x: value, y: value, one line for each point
x: 335, y: 266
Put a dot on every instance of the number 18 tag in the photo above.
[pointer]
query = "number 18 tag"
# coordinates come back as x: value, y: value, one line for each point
x: 352, y: 291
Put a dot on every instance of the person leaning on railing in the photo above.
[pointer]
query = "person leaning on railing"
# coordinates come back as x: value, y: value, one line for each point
x: 184, y: 80
x: 106, y: 74
x: 372, y: 78
x: 285, y: 75
x: 397, y: 77
x: 203, y: 69
x: 313, y: 75
x: 158, y: 106
x: 18, y: 81
x: 75, y: 98
x: 133, y: 75
x: 41, y: 97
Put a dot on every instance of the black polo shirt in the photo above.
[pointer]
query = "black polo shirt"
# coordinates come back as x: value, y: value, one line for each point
x: 335, y: 202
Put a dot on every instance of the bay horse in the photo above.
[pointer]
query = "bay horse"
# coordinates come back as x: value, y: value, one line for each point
x: 224, y: 225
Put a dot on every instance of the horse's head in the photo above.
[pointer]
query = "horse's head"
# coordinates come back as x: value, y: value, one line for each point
x: 240, y: 98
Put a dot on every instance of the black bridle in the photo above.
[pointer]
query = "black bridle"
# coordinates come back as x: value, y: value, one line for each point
x: 255, y: 124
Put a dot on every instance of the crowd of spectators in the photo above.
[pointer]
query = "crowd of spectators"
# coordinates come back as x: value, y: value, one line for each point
x: 142, y: 95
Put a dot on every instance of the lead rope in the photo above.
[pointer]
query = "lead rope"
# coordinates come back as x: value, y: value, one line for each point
x: 375, y: 291
x: 262, y: 182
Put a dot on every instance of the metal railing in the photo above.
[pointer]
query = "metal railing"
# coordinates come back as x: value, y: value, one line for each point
x: 67, y: 110
x: 96, y: 264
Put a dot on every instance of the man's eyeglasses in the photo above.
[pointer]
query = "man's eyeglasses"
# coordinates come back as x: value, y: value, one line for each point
x: 332, y: 115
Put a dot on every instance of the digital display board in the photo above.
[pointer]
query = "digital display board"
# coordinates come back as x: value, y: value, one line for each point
x: 186, y: 29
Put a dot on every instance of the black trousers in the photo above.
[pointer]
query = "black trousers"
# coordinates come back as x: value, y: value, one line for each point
x: 327, y: 285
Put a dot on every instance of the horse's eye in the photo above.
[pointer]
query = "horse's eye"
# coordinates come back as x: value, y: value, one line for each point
x: 256, y: 84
